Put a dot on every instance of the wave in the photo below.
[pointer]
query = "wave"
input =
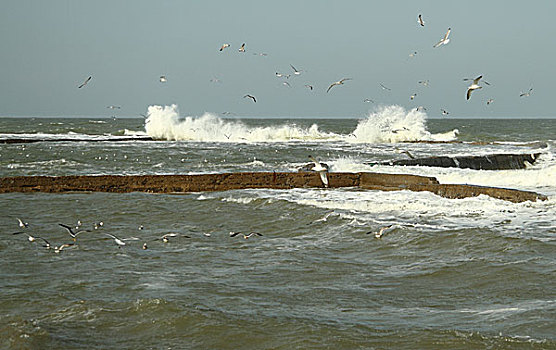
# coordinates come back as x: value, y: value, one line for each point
x: 389, y: 124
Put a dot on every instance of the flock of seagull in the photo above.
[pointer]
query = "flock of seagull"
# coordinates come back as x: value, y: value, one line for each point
x: 475, y: 85
x: 75, y: 231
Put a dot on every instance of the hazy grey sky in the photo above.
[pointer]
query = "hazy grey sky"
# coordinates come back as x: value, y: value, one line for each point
x: 50, y: 47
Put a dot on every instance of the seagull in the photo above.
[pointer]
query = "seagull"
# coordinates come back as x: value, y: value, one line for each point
x: 118, y: 241
x: 113, y: 107
x: 444, y: 40
x: 251, y: 97
x: 424, y: 82
x: 340, y: 82
x: 526, y: 94
x: 295, y: 71
x: 85, y: 82
x: 242, y: 48
x: 162, y: 79
x: 474, y: 86
x: 281, y: 75
x: 29, y: 237
x: 233, y: 234
x: 420, y: 108
x: 145, y: 247
x: 321, y: 169
x: 165, y: 239
x: 412, y: 96
x: 310, y: 87
x: 72, y: 233
x: 378, y: 234
x: 420, y: 20
x: 368, y: 100
x: 444, y: 112
x: 60, y: 248
x: 286, y: 84
x: 384, y: 87
x: 413, y: 54
x: 224, y: 46
x: 489, y: 101
x: 406, y: 152
x: 22, y: 224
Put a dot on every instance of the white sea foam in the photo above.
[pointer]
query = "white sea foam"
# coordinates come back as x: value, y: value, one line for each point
x: 388, y: 125
x: 391, y: 124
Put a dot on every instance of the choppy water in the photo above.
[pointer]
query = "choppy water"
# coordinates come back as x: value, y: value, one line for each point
x: 473, y: 273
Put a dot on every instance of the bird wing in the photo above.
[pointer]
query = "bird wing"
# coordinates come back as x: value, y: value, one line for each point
x: 331, y: 85
x: 295, y: 70
x: 324, y: 177
x: 447, y: 34
x: 342, y: 81
x: 476, y: 80
x: 469, y: 93
x: 233, y: 234
x: 67, y: 228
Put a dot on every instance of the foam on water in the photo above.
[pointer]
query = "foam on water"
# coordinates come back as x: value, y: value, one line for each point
x: 391, y: 124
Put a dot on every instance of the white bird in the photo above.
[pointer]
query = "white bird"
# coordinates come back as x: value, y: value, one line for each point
x: 295, y: 71
x: 412, y: 97
x: 368, y: 100
x: 424, y: 82
x: 233, y: 234
x: 113, y: 107
x: 72, y: 233
x: 60, y: 248
x: 474, y: 86
x: 406, y: 152
x: 85, y: 82
x: 413, y: 54
x: 251, y: 97
x: 165, y: 238
x: 444, y: 40
x: 29, y: 237
x: 385, y: 87
x: 242, y: 48
x: 321, y: 169
x: 118, y: 241
x: 526, y: 94
x: 489, y: 101
x: 162, y: 79
x: 444, y: 112
x: 340, y: 82
x: 420, y: 20
x: 378, y: 234
x: 22, y: 224
x: 286, y: 84
x: 224, y: 46
x: 310, y: 87
x: 282, y: 75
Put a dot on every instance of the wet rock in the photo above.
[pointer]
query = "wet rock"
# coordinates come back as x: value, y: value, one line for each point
x: 487, y: 162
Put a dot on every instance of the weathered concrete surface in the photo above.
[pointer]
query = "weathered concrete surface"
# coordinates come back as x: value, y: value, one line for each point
x: 488, y: 162
x: 231, y: 181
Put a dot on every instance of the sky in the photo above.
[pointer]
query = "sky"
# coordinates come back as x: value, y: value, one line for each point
x: 50, y: 47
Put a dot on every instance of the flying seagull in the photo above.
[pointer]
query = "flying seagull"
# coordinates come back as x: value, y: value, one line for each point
x: 444, y: 112
x: 321, y: 169
x: 162, y: 79
x: 224, y: 46
x: 413, y: 54
x: 118, y: 241
x: 412, y: 97
x: 251, y: 97
x: 425, y: 83
x: 526, y: 94
x: 72, y: 233
x: 242, y: 48
x: 233, y: 234
x: 444, y: 40
x: 281, y: 75
x: 385, y: 87
x: 489, y: 101
x: 29, y: 237
x: 310, y: 87
x: 340, y: 82
x: 406, y: 152
x: 113, y: 107
x: 378, y: 234
x: 295, y: 71
x: 368, y: 100
x: 420, y: 21
x: 85, y: 82
x: 474, y: 86
x: 22, y: 224
x: 165, y: 238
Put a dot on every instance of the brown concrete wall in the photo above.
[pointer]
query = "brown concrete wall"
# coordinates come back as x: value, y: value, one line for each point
x: 231, y: 181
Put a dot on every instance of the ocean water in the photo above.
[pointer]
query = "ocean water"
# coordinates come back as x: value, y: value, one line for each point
x: 470, y: 273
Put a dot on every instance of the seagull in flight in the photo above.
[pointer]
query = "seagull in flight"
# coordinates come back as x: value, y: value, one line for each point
x: 295, y: 71
x: 310, y: 87
x: 385, y: 87
x: 242, y: 48
x: 113, y: 107
x: 425, y: 83
x: 233, y: 234
x: 85, y: 82
x: 378, y: 234
x: 281, y: 75
x: 474, y: 86
x: 321, y: 169
x: 118, y: 241
x: 165, y: 238
x: 251, y: 97
x: 420, y: 20
x: 444, y: 112
x: 224, y: 46
x: 162, y: 79
x: 29, y: 237
x: 413, y: 54
x: 412, y: 97
x: 22, y: 224
x: 526, y: 94
x: 444, y: 40
x: 489, y: 101
x: 340, y: 82
x: 73, y: 233
x: 368, y: 100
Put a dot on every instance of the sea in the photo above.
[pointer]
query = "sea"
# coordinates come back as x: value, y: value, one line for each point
x: 473, y: 273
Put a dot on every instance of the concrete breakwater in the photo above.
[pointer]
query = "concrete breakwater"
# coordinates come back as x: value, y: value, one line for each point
x: 244, y: 180
x: 486, y: 162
